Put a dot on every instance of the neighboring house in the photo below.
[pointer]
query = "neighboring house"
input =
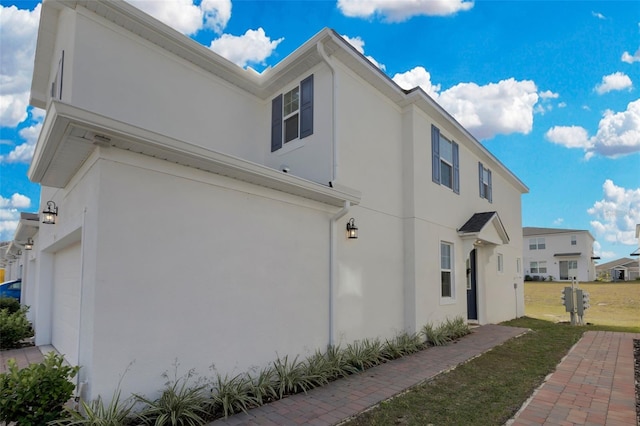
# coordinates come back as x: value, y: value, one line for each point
x: 558, y: 253
x: 636, y: 252
x: 201, y: 208
x: 624, y: 269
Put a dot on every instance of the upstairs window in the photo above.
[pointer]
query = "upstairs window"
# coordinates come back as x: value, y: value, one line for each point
x: 445, y: 161
x: 574, y: 240
x: 292, y: 114
x: 484, y: 177
x: 537, y: 244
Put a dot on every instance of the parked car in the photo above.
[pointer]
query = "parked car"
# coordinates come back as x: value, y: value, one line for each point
x: 11, y: 288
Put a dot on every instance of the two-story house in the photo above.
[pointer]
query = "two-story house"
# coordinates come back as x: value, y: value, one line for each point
x: 558, y: 254
x: 201, y: 210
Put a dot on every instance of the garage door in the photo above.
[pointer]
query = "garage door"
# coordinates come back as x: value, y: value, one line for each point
x: 66, y: 302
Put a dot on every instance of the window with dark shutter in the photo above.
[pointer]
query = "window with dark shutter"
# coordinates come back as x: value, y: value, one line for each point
x: 306, y: 107
x: 435, y: 154
x: 276, y: 123
x: 456, y: 168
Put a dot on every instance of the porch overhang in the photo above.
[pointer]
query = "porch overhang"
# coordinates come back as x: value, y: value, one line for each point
x: 567, y: 254
x: 484, y: 228
x: 70, y: 134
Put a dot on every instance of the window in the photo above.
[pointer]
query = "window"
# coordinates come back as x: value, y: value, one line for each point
x: 518, y: 265
x: 446, y: 271
x: 500, y: 263
x: 292, y: 114
x: 484, y: 177
x: 445, y: 161
x: 537, y: 244
x: 538, y: 267
x: 56, y: 85
x: 574, y: 240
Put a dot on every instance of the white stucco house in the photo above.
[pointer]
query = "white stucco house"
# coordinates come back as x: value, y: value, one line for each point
x: 558, y: 253
x: 623, y: 269
x: 201, y: 209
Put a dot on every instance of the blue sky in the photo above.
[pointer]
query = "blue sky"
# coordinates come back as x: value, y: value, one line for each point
x: 551, y: 88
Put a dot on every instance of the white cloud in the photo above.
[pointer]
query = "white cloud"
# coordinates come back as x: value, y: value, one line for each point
x: 558, y: 221
x: 187, y: 17
x: 496, y: 108
x: 598, y: 15
x: 615, y: 81
x: 18, y: 34
x: 24, y: 152
x: 252, y: 47
x: 618, y: 134
x: 417, y: 77
x: 358, y: 44
x: 597, y: 250
x: 10, y: 215
x: 617, y: 214
x: 548, y: 94
x: 562, y: 105
x: 629, y: 58
x: 398, y: 11
x: 569, y: 136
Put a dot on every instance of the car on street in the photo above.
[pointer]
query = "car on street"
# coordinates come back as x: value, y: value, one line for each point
x: 11, y: 288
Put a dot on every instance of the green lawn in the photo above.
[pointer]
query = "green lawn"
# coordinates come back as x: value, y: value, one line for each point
x: 616, y: 304
x: 489, y: 389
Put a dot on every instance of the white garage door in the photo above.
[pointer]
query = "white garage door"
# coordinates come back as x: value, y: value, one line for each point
x: 66, y: 302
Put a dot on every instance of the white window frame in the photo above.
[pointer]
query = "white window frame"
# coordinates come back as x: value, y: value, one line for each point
x: 450, y: 270
x: 500, y: 263
x: 293, y: 113
x: 574, y: 240
x: 537, y: 243
x: 446, y: 162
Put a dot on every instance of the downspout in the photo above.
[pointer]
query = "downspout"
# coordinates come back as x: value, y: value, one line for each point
x: 334, y: 144
x: 333, y: 249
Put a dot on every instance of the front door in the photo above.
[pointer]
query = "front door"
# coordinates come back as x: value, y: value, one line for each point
x: 472, y: 288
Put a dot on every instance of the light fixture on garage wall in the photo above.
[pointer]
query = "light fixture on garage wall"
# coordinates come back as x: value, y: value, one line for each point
x: 49, y: 215
x: 29, y: 244
x: 352, y: 229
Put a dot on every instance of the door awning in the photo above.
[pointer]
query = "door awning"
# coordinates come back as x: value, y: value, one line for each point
x: 485, y: 228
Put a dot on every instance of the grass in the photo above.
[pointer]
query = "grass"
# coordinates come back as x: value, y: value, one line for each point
x: 616, y: 304
x: 487, y: 390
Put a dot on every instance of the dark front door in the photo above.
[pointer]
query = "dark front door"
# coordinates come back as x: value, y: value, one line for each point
x: 472, y: 288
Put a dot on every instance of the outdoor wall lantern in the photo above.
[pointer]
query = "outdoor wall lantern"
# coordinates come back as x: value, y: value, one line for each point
x: 352, y: 229
x: 29, y: 244
x: 49, y: 215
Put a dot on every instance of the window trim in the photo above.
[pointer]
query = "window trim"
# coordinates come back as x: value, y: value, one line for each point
x: 304, y: 113
x: 436, y: 160
x: 500, y: 263
x: 539, y: 243
x: 451, y: 270
x: 488, y: 193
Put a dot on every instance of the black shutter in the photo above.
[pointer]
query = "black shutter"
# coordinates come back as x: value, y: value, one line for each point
x: 306, y: 107
x: 435, y: 154
x: 276, y: 123
x: 456, y: 167
x: 480, y: 173
x: 489, y: 190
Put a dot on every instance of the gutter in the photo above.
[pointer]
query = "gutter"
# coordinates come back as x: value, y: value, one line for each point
x: 333, y: 249
x: 334, y: 115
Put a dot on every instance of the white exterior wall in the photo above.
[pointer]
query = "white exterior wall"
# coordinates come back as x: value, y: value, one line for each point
x: 561, y: 243
x: 204, y: 270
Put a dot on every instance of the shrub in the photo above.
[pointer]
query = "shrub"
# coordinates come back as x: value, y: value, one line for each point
x: 291, y: 377
x: 117, y: 413
x: 364, y: 354
x: 232, y: 395
x: 14, y: 327
x: 35, y: 395
x: 178, y: 405
x: 403, y: 344
x: 445, y: 332
x: 262, y: 386
x: 13, y: 305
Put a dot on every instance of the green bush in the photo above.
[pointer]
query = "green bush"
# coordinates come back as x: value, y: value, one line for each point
x: 35, y: 395
x: 14, y: 327
x: 117, y: 413
x: 232, y: 395
x: 178, y: 405
x: 446, y: 332
x: 13, y: 305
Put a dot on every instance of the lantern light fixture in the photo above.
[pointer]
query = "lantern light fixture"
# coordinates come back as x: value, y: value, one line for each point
x: 29, y: 244
x: 352, y: 229
x: 49, y: 215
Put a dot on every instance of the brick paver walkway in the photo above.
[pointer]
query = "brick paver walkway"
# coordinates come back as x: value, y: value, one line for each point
x: 593, y: 385
x: 345, y: 398
x: 23, y: 357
